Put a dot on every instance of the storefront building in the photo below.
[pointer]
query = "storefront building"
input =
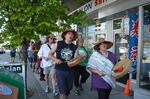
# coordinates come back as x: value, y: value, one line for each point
x: 127, y: 24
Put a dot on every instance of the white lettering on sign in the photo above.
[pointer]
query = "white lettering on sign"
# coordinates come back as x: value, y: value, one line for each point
x: 86, y: 7
x: 17, y: 69
x: 93, y: 5
x: 14, y: 68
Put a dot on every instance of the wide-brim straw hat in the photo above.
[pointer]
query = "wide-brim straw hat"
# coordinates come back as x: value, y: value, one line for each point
x: 102, y: 40
x: 67, y: 31
x: 124, y: 65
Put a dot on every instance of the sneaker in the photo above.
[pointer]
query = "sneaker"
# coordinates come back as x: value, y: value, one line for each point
x: 55, y: 93
x: 80, y: 87
x: 47, y: 89
x: 42, y: 79
x: 30, y: 65
x: 28, y: 93
x: 77, y: 92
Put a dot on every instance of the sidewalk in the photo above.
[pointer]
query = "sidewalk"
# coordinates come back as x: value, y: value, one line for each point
x: 86, y: 94
x: 37, y: 86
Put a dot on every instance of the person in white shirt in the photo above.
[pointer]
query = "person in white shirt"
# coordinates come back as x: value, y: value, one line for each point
x: 46, y: 63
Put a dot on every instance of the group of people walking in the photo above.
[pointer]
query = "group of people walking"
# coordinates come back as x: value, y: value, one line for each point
x: 64, y: 52
x: 54, y: 58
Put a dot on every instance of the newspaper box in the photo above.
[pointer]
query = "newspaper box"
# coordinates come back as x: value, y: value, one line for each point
x: 12, y: 81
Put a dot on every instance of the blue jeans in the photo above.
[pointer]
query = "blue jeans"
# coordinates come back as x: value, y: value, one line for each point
x: 30, y: 59
x: 65, y: 81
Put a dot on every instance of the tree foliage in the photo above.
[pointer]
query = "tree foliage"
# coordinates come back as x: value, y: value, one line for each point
x: 29, y: 18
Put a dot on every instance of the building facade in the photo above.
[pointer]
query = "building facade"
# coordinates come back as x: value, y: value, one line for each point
x: 127, y: 24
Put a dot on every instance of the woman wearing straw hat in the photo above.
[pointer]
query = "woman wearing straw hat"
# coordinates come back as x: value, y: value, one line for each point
x: 65, y: 51
x: 98, y: 82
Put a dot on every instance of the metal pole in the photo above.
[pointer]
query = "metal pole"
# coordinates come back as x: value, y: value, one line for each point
x: 140, y: 49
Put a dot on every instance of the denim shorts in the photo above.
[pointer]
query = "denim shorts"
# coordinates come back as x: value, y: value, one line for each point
x: 64, y: 81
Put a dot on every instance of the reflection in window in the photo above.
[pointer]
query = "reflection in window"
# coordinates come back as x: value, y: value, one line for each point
x: 91, y: 28
x: 117, y: 24
x: 145, y: 67
x: 81, y: 29
x: 90, y: 40
x: 121, y: 51
x: 146, y: 54
x: 100, y: 36
x: 121, y: 46
x: 146, y: 15
x: 83, y: 36
x: 103, y: 26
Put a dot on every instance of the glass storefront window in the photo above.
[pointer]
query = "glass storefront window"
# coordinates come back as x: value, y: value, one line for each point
x: 91, y: 28
x: 121, y: 37
x: 81, y: 30
x: 146, y: 15
x: 84, y: 37
x: 117, y: 24
x: 103, y: 26
x: 121, y: 51
x: 145, y: 67
x: 121, y: 46
x: 90, y: 40
x: 102, y: 35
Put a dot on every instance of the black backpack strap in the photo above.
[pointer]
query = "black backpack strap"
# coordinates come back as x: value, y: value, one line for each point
x: 49, y: 46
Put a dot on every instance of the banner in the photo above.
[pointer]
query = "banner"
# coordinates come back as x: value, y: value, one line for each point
x: 133, y: 39
x: 101, y: 63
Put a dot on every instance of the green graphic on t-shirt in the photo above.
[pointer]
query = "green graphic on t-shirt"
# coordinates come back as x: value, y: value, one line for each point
x: 83, y: 52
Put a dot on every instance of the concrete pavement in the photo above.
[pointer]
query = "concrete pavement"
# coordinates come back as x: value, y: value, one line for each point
x: 87, y: 93
x: 34, y: 86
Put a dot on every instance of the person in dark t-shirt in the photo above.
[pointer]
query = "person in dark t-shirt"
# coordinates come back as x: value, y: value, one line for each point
x: 13, y: 54
x: 65, y: 51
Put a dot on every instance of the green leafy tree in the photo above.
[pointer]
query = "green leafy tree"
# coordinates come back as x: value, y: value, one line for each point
x: 29, y: 18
